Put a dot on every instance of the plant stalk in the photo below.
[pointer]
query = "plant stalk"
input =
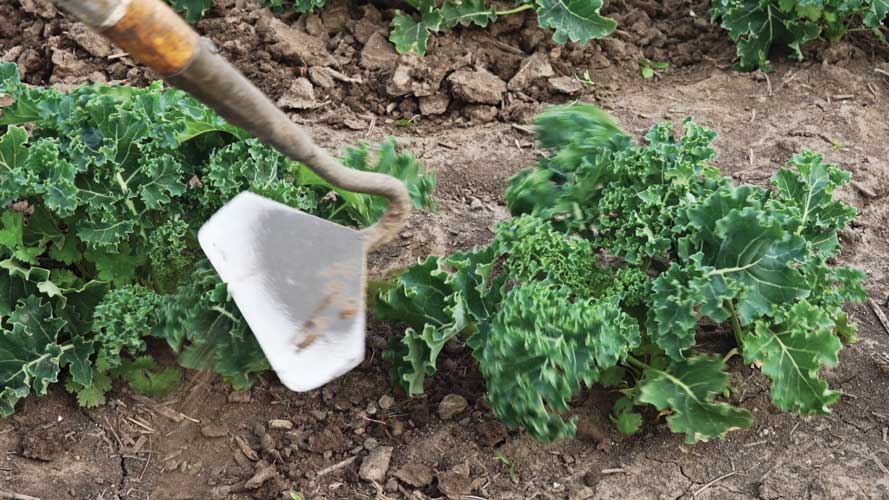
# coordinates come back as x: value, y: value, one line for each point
x: 516, y: 10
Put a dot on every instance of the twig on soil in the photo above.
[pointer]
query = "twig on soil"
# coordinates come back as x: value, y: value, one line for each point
x: 768, y: 83
x: 335, y: 467
x: 711, y: 483
x: 880, y: 314
x: 147, y: 462
x: 141, y: 424
x: 618, y: 470
x: 864, y: 190
x: 523, y: 129
x: 882, y: 72
x: 756, y: 443
x: 843, y: 97
x: 876, y: 459
x: 793, y: 430
x: 8, y: 495
x: 114, y: 433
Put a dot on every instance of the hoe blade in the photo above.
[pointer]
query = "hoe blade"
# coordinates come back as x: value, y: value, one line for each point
x: 299, y: 282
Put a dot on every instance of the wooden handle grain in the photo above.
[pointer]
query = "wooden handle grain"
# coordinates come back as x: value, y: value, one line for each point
x: 152, y: 33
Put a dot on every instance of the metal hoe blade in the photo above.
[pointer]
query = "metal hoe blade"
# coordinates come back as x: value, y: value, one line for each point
x: 299, y: 282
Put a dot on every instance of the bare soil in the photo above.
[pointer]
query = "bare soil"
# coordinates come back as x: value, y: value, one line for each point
x: 207, y: 442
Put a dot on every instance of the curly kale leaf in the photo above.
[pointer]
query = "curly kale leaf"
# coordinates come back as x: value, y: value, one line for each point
x: 121, y: 320
x: 424, y: 299
x: 543, y: 347
x: 792, y: 350
x: 145, y: 377
x: 202, y: 324
x: 688, y: 389
x: 30, y: 353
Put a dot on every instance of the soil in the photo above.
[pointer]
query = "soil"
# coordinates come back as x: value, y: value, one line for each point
x: 356, y: 438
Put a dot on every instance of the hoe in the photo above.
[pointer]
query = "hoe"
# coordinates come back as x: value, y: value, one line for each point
x: 298, y: 280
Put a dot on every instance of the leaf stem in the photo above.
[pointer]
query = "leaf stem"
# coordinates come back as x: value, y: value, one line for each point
x: 637, y: 363
x: 736, y: 325
x: 515, y: 10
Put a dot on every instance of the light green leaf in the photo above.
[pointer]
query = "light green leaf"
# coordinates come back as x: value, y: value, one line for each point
x: 574, y: 20
x: 410, y: 35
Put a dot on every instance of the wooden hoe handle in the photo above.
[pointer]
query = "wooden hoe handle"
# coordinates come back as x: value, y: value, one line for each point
x: 152, y: 33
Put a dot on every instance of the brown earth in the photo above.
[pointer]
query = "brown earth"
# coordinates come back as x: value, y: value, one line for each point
x: 207, y: 442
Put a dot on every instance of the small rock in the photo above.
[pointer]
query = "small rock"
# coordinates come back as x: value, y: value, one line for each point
x: 91, y: 42
x: 364, y: 29
x: 301, y: 95
x: 321, y: 77
x: 391, y: 485
x: 371, y: 409
x: 329, y: 439
x: 420, y: 415
x: 416, y: 475
x: 378, y: 53
x: 582, y: 493
x: 315, y: 26
x: 319, y: 415
x: 42, y: 8
x: 565, y: 85
x: 535, y: 67
x: 615, y: 48
x: 474, y: 204
x: 376, y: 464
x: 479, y: 86
x: 294, y: 45
x: 336, y: 16
x: 280, y: 424
x: 480, y: 113
x: 434, y: 104
x: 451, y: 406
x: 492, y: 433
x: 214, y: 431
x: 371, y: 443
x: 386, y: 401
x: 239, y: 397
x: 453, y: 485
x: 67, y: 64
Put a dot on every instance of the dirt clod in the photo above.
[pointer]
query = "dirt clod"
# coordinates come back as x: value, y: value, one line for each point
x: 376, y: 464
x: 434, y: 104
x: 293, y: 45
x: 415, y: 474
x: 453, y: 485
x: 451, y: 406
x: 478, y: 86
x: 214, y: 431
x: 264, y: 472
x: 301, y: 95
x: 239, y: 397
x: 565, y: 85
x: 378, y: 53
x: 535, y: 67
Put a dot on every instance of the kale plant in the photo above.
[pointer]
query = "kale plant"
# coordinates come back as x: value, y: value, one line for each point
x: 616, y: 255
x: 103, y: 190
x: 757, y: 25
